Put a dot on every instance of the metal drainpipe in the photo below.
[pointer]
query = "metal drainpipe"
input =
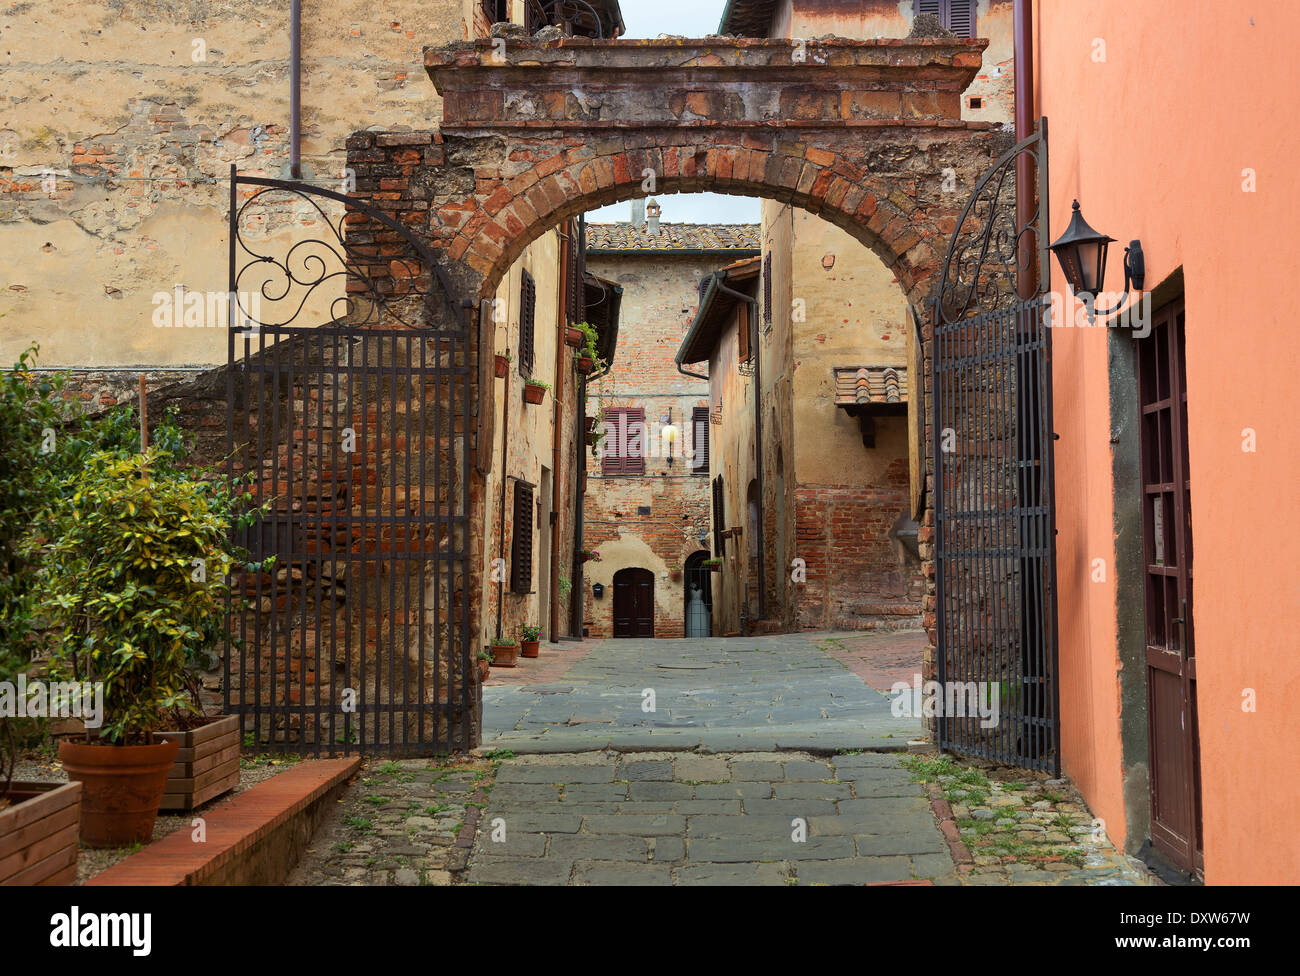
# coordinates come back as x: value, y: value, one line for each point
x: 758, y: 432
x: 577, y: 594
x: 295, y: 89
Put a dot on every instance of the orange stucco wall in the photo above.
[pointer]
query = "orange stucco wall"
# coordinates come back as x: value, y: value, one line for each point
x: 1153, y: 141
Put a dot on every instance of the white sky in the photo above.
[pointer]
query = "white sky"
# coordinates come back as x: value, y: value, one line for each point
x: 690, y: 18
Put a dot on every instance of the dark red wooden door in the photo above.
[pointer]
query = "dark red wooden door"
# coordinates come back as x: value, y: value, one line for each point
x: 634, y: 603
x: 1167, y: 545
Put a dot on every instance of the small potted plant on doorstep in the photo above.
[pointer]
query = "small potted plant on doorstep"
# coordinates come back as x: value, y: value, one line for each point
x: 505, y: 652
x: 535, y: 391
x: 484, y: 665
x: 529, y: 641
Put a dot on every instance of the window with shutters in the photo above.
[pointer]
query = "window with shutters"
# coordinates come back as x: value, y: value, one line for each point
x: 624, y: 441
x: 521, y: 549
x: 576, y: 305
x: 719, y: 518
x: 527, y: 317
x: 767, y: 291
x: 700, y: 440
x: 957, y: 16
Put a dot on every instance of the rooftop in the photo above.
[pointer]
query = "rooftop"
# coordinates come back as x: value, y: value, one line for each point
x: 689, y: 238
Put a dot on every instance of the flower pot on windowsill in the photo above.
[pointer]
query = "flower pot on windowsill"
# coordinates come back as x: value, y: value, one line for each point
x: 505, y: 655
x: 534, y: 393
x: 502, y: 366
x: 585, y: 364
x: 573, y: 337
x: 122, y: 788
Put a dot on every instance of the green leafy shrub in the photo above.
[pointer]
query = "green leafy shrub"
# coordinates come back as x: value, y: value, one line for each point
x: 132, y: 584
x: 530, y: 633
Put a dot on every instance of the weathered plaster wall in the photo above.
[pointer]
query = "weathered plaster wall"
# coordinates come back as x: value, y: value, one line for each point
x: 139, y: 136
x: 834, y: 303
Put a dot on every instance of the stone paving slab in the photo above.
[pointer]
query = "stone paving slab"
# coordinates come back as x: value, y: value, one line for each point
x: 715, y: 695
x: 687, y: 819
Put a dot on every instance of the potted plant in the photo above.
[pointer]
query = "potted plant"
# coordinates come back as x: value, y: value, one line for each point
x: 505, y: 652
x: 484, y: 665
x: 675, y: 573
x: 589, y: 556
x: 573, y: 335
x: 502, y: 365
x: 714, y: 565
x: 132, y: 583
x: 529, y: 641
x: 535, y: 391
x: 588, y: 359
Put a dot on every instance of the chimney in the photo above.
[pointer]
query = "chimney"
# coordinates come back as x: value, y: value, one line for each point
x: 652, y: 218
x: 638, y: 213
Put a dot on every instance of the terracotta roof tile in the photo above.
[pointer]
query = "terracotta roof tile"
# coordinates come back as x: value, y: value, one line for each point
x: 673, y: 237
x: 870, y: 384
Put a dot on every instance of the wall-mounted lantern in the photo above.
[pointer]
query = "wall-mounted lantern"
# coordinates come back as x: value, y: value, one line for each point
x: 1081, y: 252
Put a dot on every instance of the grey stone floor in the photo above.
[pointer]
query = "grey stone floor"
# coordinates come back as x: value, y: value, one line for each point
x: 715, y: 695
x: 688, y: 819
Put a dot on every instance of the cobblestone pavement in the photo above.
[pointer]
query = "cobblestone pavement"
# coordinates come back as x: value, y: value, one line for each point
x: 689, y: 819
x: 402, y: 822
x: 718, y: 695
x: 879, y: 660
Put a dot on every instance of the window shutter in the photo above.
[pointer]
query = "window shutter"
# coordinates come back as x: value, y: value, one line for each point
x: 521, y: 574
x: 611, y: 457
x: 935, y: 7
x: 634, y: 450
x: 700, y: 439
x: 719, y: 518
x: 527, y: 314
x: 767, y: 290
x: 961, y: 17
x: 742, y: 332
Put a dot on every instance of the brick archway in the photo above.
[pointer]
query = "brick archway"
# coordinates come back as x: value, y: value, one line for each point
x: 866, y: 134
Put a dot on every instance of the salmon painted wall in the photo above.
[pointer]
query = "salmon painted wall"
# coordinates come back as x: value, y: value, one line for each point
x: 1153, y: 124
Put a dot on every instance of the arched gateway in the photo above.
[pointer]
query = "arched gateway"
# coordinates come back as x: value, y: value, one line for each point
x: 865, y: 133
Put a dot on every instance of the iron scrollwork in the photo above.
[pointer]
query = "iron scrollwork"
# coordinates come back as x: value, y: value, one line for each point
x: 273, y: 288
x: 990, y: 246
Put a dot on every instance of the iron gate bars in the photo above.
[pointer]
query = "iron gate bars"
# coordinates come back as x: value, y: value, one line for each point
x: 995, y: 549
x: 348, y: 379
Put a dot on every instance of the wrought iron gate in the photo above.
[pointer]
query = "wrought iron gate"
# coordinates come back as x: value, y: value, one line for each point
x: 347, y: 381
x: 996, y: 654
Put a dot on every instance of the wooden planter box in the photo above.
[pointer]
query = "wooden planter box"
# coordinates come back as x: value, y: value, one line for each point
x: 206, y: 766
x: 38, y: 834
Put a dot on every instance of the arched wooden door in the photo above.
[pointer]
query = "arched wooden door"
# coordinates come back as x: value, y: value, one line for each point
x: 634, y: 603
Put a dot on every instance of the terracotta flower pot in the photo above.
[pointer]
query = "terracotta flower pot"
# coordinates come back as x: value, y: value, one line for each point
x: 121, y: 788
x: 502, y: 367
x: 534, y: 394
x: 586, y: 364
x: 529, y: 648
x: 573, y: 337
x: 505, y: 656
x: 484, y: 668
